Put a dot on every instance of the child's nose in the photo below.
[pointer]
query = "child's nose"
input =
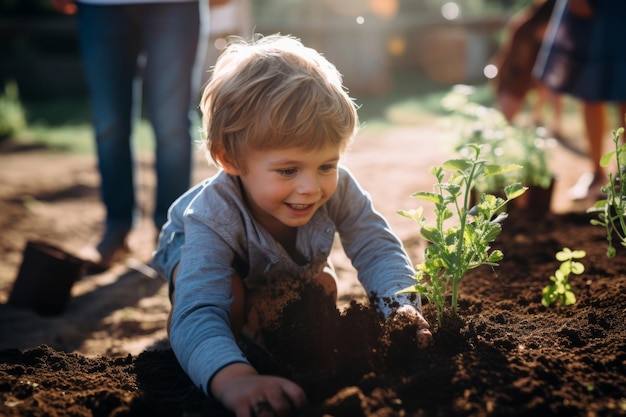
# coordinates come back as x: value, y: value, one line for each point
x: 309, y: 184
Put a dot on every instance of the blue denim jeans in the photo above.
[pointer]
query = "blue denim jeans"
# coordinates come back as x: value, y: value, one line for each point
x: 112, y: 40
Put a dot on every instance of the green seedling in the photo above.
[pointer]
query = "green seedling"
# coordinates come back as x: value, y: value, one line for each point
x: 460, y: 238
x: 561, y: 290
x: 611, y: 211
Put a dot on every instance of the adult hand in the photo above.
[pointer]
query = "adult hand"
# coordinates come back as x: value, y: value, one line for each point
x: 64, y: 6
x: 424, y: 337
x: 247, y: 394
x: 580, y: 8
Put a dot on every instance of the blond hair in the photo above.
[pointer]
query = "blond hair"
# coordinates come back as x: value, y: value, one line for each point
x: 272, y: 93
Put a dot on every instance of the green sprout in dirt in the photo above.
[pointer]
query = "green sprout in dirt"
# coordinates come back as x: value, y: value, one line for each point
x: 611, y: 211
x: 464, y: 244
x: 561, y: 290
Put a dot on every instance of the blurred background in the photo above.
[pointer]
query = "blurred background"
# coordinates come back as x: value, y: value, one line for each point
x: 387, y: 49
x: 368, y: 40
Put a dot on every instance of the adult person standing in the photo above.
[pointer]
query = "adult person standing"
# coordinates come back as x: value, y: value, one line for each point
x: 584, y: 55
x: 158, y: 41
x: 515, y: 59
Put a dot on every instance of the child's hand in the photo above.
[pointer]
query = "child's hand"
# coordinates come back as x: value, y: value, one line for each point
x: 247, y: 394
x: 424, y: 337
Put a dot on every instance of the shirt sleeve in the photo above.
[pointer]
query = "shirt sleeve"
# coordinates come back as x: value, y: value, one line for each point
x: 200, y: 332
x: 171, y: 237
x: 382, y: 264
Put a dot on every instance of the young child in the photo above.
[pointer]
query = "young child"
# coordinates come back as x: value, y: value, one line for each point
x: 277, y: 120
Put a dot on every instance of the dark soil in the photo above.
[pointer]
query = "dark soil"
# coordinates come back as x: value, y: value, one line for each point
x: 509, y: 355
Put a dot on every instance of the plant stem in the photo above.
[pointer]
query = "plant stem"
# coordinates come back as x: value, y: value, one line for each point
x: 462, y: 213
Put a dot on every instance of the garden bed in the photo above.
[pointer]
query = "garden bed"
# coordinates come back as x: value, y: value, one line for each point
x: 107, y: 353
x: 512, y: 356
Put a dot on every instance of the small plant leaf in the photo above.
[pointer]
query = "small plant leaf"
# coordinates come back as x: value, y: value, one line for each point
x: 564, y: 255
x: 457, y: 164
x: 559, y: 275
x: 453, y: 189
x: 492, y: 233
x: 413, y: 214
x: 569, y: 298
x: 437, y: 172
x: 430, y: 233
x: 514, y: 190
x: 495, y: 256
x: 447, y: 214
x: 606, y: 159
x: 577, y: 268
x: 424, y: 195
x: 561, y: 289
x: 493, y: 169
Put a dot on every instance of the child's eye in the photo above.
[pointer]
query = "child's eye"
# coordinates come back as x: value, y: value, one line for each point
x: 287, y: 172
x: 328, y: 168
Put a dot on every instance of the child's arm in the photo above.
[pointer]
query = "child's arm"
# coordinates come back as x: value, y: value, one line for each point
x: 377, y: 254
x: 200, y: 331
x: 203, y: 340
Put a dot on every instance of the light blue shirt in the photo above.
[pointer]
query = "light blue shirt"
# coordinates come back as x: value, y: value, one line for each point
x: 212, y: 234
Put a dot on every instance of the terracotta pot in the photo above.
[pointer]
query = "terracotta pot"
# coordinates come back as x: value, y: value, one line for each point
x: 45, y: 279
x: 536, y: 202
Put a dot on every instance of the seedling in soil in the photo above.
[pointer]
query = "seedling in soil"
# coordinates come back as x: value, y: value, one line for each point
x: 460, y: 238
x: 611, y: 211
x: 561, y: 290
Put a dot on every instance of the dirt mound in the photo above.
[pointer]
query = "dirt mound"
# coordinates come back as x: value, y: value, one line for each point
x: 510, y: 356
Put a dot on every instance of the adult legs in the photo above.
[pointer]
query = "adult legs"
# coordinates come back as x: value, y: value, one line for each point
x: 170, y: 33
x: 109, y: 54
x: 589, y: 183
x: 595, y: 128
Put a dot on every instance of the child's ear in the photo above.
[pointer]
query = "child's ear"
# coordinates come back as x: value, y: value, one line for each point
x: 227, y: 163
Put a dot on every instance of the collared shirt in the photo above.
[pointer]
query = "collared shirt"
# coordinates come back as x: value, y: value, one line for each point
x: 212, y: 234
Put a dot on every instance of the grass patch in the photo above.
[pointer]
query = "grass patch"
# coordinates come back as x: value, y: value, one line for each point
x: 65, y: 125
x: 79, y: 138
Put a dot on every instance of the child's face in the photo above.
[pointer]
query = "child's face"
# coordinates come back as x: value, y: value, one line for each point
x: 285, y: 187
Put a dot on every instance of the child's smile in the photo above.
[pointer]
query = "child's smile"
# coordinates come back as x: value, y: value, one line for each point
x: 285, y: 187
x: 300, y: 208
